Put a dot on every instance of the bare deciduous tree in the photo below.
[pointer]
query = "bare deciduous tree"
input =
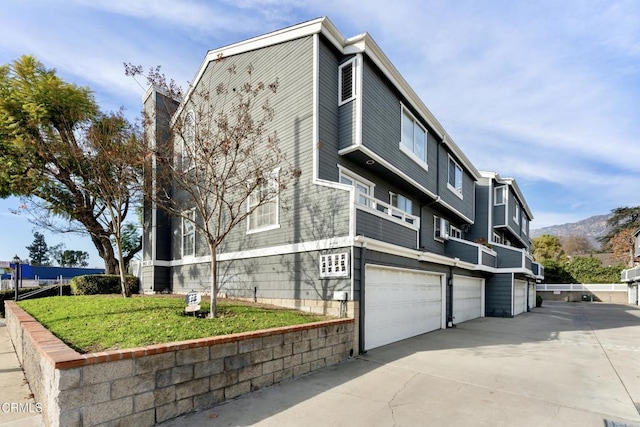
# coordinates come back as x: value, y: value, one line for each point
x: 224, y: 164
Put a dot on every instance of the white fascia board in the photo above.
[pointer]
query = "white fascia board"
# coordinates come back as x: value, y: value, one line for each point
x: 365, y: 43
x: 511, y: 182
x: 315, y: 245
x: 318, y: 25
x: 397, y: 171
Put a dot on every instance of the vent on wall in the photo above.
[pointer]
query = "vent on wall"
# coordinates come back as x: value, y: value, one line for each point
x: 334, y: 265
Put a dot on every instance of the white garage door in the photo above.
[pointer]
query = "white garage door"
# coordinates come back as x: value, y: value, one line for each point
x: 532, y: 295
x: 633, y: 294
x: 400, y: 304
x: 468, y: 301
x: 519, y: 297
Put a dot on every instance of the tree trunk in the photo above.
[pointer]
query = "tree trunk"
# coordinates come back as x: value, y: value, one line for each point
x: 214, y: 281
x: 126, y: 292
x: 105, y: 250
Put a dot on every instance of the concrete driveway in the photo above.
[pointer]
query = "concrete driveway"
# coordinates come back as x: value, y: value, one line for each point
x: 564, y: 364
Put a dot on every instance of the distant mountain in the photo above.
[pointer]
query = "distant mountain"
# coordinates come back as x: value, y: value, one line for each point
x: 591, y: 228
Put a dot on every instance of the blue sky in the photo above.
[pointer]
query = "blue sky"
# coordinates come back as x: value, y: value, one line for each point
x: 546, y: 92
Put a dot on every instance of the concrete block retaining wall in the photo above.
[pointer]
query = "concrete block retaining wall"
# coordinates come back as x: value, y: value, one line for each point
x: 145, y: 386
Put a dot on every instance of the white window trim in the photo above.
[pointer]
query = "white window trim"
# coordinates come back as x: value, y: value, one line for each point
x: 339, y: 263
x: 504, y: 195
x: 413, y: 156
x: 455, y: 230
x: 183, y: 235
x: 517, y: 212
x: 350, y: 63
x: 273, y: 175
x: 440, y: 220
x: 497, y: 238
x: 397, y: 196
x: 454, y: 190
x: 342, y: 171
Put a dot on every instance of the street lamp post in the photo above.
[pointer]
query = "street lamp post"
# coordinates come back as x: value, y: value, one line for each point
x: 16, y: 263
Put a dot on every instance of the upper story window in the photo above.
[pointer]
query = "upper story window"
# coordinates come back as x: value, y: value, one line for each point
x: 413, y: 140
x: 189, y: 233
x: 516, y: 213
x: 497, y: 238
x: 188, y: 141
x: 454, y: 182
x: 524, y: 224
x: 401, y: 202
x: 347, y: 82
x: 499, y: 196
x: 264, y: 204
x: 363, y: 187
x: 455, y: 232
x: 440, y: 229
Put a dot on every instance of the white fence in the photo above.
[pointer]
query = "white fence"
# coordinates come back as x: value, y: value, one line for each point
x: 582, y: 287
x: 11, y: 283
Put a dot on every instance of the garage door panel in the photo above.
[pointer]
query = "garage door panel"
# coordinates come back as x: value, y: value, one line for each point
x: 400, y: 304
x: 467, y: 298
x: 519, y: 297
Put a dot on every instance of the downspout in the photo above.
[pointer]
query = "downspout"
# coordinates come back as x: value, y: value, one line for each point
x: 449, y: 295
x: 361, y: 320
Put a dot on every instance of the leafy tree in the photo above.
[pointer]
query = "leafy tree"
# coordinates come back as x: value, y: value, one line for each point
x: 621, y: 219
x: 555, y: 272
x: 591, y: 270
x: 54, y: 155
x: 623, y: 247
x: 547, y: 247
x: 576, y: 245
x: 38, y: 250
x: 68, y: 258
x: 220, y: 158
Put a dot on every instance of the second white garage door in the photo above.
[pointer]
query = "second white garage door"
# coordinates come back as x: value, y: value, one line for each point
x: 468, y: 301
x: 400, y: 304
x: 519, y: 297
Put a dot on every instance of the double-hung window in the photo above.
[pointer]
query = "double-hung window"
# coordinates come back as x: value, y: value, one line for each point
x: 516, y: 213
x: 263, y: 205
x: 454, y: 182
x: 189, y: 233
x: 413, y: 140
x: 363, y: 188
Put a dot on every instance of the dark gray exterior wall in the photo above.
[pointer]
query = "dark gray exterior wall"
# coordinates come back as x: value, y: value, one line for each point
x: 381, y: 127
x: 508, y: 258
x: 370, y: 225
x: 329, y: 137
x: 466, y: 205
x: 288, y: 276
x: 498, y: 295
x: 480, y: 229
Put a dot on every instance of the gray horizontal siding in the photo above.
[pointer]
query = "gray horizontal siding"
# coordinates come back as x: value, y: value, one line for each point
x: 499, y: 215
x: 489, y: 260
x: 370, y: 225
x: 464, y: 252
x: 508, y: 258
x: 498, y: 295
x: 466, y: 205
x: 289, y: 276
x: 481, y: 229
x: 381, y: 128
x: 328, y: 118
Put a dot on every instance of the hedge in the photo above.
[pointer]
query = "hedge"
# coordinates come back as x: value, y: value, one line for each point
x: 9, y: 294
x: 94, y: 284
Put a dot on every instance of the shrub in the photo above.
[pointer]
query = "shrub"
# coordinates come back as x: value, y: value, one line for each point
x: 9, y: 294
x: 538, y: 300
x: 94, y: 284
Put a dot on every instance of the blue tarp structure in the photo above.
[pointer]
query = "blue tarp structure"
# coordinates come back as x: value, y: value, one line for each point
x: 30, y: 272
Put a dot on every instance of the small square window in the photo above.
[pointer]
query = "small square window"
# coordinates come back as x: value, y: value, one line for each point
x: 499, y: 196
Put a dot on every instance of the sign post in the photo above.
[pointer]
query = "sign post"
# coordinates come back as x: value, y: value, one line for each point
x: 192, y: 299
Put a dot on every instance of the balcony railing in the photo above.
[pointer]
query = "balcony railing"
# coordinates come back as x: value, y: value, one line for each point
x: 630, y: 274
x: 471, y: 252
x: 387, y: 211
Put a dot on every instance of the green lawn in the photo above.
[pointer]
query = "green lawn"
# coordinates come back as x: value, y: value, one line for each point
x: 105, y: 322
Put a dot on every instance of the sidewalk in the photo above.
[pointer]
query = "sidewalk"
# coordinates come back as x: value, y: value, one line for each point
x: 17, y: 406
